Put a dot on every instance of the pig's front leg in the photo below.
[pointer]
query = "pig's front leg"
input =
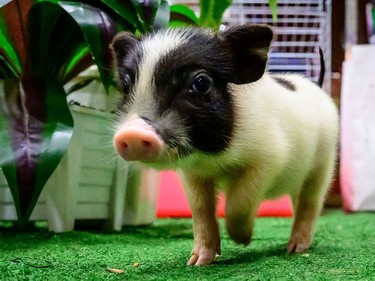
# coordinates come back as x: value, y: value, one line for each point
x: 202, y: 199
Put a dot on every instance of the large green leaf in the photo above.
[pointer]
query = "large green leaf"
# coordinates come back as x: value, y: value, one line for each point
x: 211, y: 12
x: 6, y: 69
x: 273, y: 7
x: 54, y: 45
x: 81, y: 61
x: 35, y: 129
x: 14, y: 37
x: 146, y: 12
x: 7, y: 51
x: 182, y: 14
x: 126, y: 10
x: 162, y: 15
x: 98, y: 28
x: 35, y: 121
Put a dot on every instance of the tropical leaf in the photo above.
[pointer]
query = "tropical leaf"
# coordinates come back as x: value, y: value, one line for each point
x: 98, y: 30
x: 6, y: 69
x: 98, y: 27
x: 7, y: 51
x: 126, y: 10
x: 211, y: 12
x: 162, y: 15
x: 13, y: 18
x: 273, y: 7
x: 81, y: 61
x: 35, y: 129
x: 36, y: 124
x: 146, y: 12
x: 53, y: 46
x: 181, y: 14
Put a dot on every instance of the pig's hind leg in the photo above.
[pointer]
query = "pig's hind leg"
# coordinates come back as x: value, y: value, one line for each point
x: 307, y: 205
x: 242, y: 201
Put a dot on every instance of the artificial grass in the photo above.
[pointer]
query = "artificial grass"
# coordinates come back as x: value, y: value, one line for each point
x: 343, y: 249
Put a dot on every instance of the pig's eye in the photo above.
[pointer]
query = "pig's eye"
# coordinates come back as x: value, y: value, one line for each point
x: 202, y: 84
x: 126, y: 83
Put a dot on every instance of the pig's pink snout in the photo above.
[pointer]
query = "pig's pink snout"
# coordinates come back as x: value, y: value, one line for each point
x: 137, y: 141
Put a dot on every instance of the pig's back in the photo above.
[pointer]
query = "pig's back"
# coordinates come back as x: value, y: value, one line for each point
x: 281, y: 126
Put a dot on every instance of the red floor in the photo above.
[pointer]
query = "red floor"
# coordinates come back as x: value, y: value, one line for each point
x: 173, y: 203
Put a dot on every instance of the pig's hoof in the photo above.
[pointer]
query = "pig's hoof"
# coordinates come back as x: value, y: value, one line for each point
x: 240, y: 235
x: 241, y: 238
x: 298, y: 244
x: 202, y: 256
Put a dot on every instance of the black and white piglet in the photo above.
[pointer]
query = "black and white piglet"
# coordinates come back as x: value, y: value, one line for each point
x: 200, y: 102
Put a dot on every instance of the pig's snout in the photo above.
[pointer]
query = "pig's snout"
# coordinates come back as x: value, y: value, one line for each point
x: 138, y: 141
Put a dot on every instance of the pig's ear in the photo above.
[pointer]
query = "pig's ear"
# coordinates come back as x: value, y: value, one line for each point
x: 249, y: 45
x: 121, y: 44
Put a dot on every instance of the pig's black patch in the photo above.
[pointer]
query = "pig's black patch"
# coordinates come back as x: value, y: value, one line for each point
x: 285, y: 83
x: 208, y: 117
x: 128, y: 57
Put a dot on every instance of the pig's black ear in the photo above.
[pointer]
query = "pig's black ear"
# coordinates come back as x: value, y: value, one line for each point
x: 121, y: 44
x: 249, y: 45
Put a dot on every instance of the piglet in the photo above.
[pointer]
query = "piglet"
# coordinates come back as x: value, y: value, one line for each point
x: 200, y: 102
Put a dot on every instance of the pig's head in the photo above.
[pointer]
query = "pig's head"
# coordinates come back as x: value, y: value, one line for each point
x: 176, y: 100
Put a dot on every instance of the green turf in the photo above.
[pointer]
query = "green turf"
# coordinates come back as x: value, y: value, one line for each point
x: 344, y: 249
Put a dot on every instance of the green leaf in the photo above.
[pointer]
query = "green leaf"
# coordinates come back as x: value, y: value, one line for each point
x: 273, y: 6
x: 35, y: 129
x: 98, y: 29
x: 6, y: 69
x: 146, y: 12
x: 81, y: 61
x: 124, y: 9
x: 183, y: 14
x: 211, y: 12
x: 162, y: 15
x: 7, y: 51
x: 15, y: 15
x: 49, y: 53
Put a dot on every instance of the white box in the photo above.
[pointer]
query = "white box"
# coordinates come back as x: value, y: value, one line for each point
x: 358, y: 130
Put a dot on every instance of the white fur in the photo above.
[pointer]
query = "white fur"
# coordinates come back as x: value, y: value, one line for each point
x: 153, y: 49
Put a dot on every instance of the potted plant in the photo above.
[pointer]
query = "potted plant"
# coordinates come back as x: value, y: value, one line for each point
x: 43, y: 45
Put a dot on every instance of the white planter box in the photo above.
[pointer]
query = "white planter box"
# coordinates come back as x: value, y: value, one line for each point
x: 89, y: 183
x: 142, y: 192
x: 7, y: 208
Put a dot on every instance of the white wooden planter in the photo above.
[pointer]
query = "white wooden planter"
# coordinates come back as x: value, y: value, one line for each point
x: 90, y: 182
x: 7, y: 208
x: 142, y: 192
